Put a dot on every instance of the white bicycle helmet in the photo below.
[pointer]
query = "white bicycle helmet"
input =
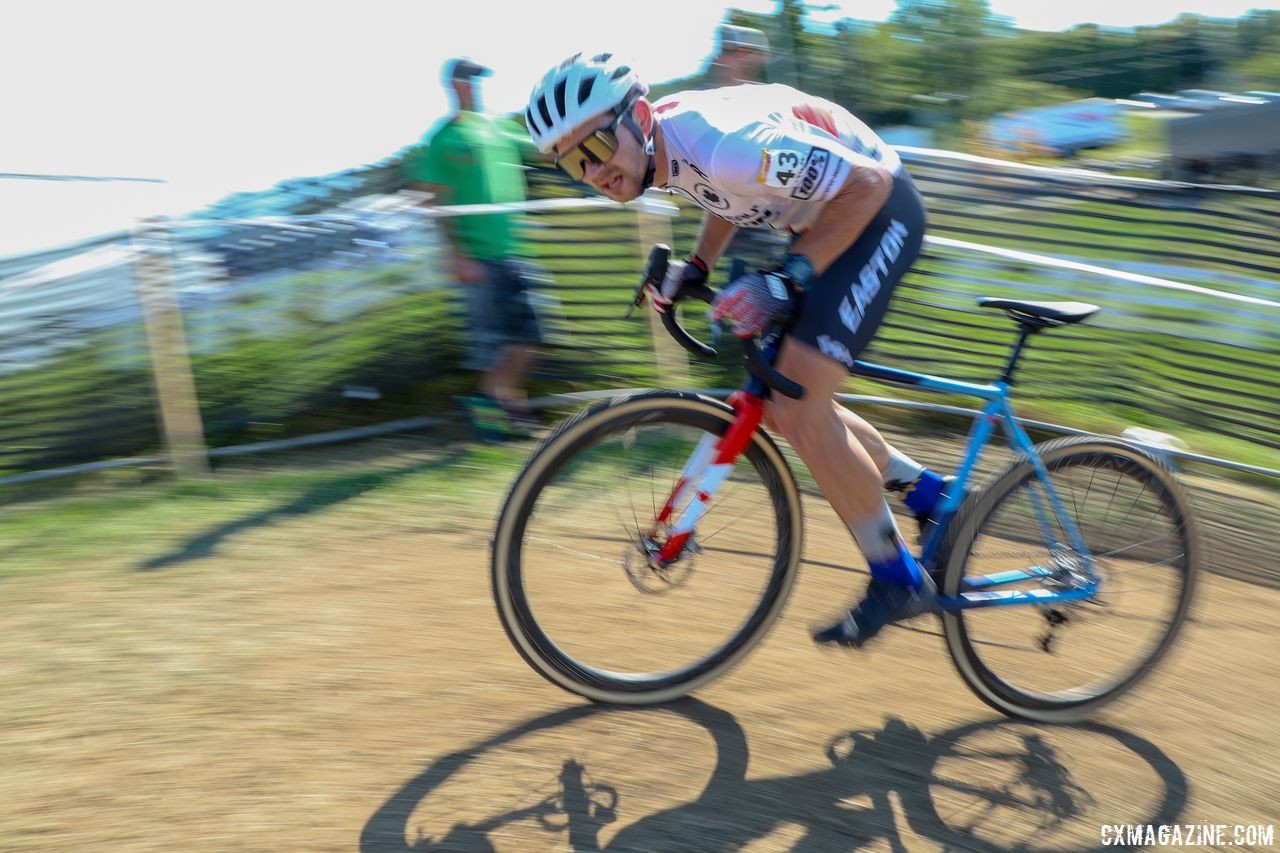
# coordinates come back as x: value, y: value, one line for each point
x: 574, y: 91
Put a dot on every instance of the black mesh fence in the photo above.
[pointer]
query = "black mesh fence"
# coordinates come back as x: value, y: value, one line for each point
x: 1201, y: 362
x: 315, y: 321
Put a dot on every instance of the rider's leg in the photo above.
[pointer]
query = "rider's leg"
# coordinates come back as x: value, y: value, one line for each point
x: 841, y: 310
x: 917, y: 486
x: 868, y: 436
x: 842, y: 467
x: 849, y: 478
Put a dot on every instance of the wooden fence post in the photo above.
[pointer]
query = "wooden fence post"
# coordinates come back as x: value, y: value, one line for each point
x: 653, y: 221
x: 179, y: 409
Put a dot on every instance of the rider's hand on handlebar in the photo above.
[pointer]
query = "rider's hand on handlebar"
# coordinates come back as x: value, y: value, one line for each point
x: 754, y: 302
x: 680, y: 275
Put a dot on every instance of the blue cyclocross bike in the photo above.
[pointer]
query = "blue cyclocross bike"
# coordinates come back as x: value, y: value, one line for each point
x: 651, y: 541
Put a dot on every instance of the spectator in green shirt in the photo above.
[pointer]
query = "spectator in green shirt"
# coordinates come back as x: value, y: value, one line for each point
x: 475, y: 159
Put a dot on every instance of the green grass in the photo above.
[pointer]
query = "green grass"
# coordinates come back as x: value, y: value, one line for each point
x: 1148, y: 137
x: 111, y: 520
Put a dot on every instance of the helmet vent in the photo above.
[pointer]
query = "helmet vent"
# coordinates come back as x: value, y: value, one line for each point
x: 544, y: 112
x: 584, y: 89
x: 559, y: 96
x: 620, y: 71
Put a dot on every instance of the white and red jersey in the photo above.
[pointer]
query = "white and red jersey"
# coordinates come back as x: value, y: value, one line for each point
x: 763, y: 155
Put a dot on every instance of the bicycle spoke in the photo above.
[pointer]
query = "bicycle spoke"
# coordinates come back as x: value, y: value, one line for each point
x: 1085, y: 651
x: 1017, y: 647
x: 591, y: 590
x: 1120, y: 572
x: 1140, y: 496
x: 553, y: 543
x: 634, y: 517
x: 720, y: 508
x: 1129, y: 547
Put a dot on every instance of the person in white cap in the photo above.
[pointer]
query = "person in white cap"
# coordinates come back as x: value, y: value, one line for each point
x: 744, y: 53
x: 743, y: 57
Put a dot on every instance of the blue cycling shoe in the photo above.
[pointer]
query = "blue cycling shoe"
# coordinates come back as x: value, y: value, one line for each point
x: 883, y: 604
x: 921, y: 497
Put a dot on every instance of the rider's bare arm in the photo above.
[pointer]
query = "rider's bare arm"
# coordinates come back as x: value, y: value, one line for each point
x: 713, y: 238
x: 844, y: 217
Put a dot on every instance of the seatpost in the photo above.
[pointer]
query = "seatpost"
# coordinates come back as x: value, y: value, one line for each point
x: 1025, y: 330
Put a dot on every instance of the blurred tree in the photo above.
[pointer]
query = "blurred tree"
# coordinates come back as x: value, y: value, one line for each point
x: 959, y: 42
x: 1157, y: 64
x: 997, y: 96
x: 1085, y: 58
x: 893, y: 66
x: 1262, y: 70
x: 943, y: 62
x: 787, y: 35
x: 1256, y: 29
x: 1194, y: 61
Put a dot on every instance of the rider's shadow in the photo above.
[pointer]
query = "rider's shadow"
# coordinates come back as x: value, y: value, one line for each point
x: 843, y: 807
x: 890, y: 784
x: 581, y: 808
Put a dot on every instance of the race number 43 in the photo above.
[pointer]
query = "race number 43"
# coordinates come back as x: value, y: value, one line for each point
x: 780, y: 166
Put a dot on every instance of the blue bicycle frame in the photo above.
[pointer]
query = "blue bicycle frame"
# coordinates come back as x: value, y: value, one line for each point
x: 977, y: 591
x: 1073, y: 576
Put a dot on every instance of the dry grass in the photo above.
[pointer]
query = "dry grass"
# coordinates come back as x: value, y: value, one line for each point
x: 263, y: 670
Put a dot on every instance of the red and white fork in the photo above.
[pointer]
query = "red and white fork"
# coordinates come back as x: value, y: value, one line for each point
x: 703, y: 475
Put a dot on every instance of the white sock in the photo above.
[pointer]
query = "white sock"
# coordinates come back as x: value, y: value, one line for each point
x: 877, y: 536
x: 901, y: 471
x: 886, y: 553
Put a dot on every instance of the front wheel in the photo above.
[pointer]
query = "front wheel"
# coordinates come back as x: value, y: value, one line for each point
x: 1061, y: 661
x: 576, y: 589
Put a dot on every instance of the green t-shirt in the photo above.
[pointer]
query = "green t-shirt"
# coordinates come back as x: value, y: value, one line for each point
x: 478, y: 159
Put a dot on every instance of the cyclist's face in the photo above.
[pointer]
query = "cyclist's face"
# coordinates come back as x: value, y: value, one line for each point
x: 620, y: 175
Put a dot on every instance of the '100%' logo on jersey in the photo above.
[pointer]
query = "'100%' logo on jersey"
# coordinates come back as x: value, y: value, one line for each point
x: 784, y: 167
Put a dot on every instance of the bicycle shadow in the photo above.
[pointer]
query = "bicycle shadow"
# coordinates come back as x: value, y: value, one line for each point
x: 386, y: 831
x: 316, y: 497
x: 882, y: 785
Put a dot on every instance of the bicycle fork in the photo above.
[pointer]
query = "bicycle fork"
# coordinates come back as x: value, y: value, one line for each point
x: 703, y: 475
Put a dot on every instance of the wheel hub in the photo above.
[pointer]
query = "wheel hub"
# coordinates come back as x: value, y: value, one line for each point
x: 649, y: 574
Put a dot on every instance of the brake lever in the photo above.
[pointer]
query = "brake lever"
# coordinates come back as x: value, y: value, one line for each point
x: 655, y: 271
x: 636, y: 301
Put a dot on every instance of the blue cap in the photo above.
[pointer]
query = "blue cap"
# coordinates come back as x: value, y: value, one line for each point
x: 462, y: 68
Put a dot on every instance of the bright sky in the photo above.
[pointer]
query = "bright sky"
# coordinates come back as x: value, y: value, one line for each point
x: 223, y: 95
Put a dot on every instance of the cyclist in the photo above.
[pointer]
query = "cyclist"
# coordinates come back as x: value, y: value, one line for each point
x: 771, y: 156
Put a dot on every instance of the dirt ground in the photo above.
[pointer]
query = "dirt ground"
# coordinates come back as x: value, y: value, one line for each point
x: 338, y: 680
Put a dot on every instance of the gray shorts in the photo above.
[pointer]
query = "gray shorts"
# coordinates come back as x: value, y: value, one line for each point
x: 502, y: 310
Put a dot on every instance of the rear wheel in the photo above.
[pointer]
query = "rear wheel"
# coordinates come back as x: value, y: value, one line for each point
x: 1063, y: 661
x: 575, y: 587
